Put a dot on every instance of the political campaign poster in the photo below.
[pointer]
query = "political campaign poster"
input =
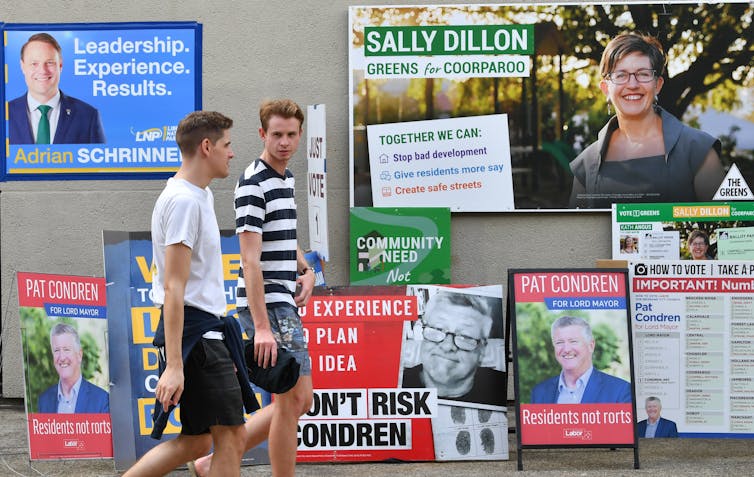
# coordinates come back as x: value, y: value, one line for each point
x: 112, y: 96
x: 683, y: 231
x: 430, y: 164
x: 572, y: 352
x: 63, y: 332
x: 693, y: 341
x: 412, y: 373
x: 735, y: 243
x: 131, y: 326
x: 357, y: 339
x: 400, y: 246
x: 426, y: 81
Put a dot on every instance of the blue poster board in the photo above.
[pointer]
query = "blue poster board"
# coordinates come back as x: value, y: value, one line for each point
x: 140, y: 78
x: 132, y: 320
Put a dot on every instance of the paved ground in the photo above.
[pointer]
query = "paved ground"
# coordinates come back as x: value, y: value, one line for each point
x: 658, y: 457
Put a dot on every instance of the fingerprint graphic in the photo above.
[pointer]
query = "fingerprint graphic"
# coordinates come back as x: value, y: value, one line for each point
x: 463, y: 442
x: 458, y: 414
x: 484, y: 415
x: 488, y: 440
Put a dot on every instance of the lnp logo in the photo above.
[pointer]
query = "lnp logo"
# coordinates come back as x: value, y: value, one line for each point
x: 147, y: 135
x: 577, y: 434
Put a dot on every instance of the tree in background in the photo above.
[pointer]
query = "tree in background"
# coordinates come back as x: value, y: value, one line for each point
x: 711, y: 46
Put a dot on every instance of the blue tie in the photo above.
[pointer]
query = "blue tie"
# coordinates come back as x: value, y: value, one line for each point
x: 43, y: 130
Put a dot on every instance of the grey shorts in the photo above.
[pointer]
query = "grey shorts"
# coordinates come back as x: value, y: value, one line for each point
x: 288, y: 331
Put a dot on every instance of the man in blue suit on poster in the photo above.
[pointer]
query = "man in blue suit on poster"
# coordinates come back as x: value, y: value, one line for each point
x: 72, y: 394
x: 578, y: 381
x: 45, y: 115
x: 654, y: 425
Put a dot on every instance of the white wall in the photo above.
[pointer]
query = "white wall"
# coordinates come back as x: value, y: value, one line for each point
x: 252, y: 50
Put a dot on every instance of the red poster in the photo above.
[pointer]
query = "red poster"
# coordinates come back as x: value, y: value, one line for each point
x: 63, y: 323
x: 69, y: 436
x: 576, y: 424
x: 361, y: 341
x: 574, y: 378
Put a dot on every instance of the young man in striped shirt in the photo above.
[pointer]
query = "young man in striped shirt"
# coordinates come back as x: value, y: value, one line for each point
x: 272, y: 266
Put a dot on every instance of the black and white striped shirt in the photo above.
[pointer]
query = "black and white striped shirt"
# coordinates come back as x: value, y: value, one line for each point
x: 264, y: 203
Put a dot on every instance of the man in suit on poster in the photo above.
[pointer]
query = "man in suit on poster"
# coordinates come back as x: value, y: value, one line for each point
x: 654, y: 425
x: 44, y: 114
x: 578, y: 381
x: 72, y: 393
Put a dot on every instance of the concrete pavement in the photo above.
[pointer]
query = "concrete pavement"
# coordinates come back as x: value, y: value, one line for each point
x: 676, y: 457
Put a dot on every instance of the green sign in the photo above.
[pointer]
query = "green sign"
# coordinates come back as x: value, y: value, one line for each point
x: 434, y: 40
x: 696, y: 211
x: 400, y: 246
x: 666, y: 231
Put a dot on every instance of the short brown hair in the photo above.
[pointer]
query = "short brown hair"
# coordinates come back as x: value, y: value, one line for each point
x: 627, y: 43
x: 696, y: 233
x: 44, y: 38
x: 285, y: 108
x: 198, y: 125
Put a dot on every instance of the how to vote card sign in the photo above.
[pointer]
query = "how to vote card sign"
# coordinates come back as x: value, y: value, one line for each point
x: 683, y: 231
x: 693, y: 339
x: 400, y: 246
x: 316, y: 179
x: 117, y: 92
x: 63, y: 333
x: 572, y: 352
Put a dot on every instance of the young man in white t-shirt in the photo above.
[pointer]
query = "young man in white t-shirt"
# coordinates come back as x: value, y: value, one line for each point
x: 198, y: 369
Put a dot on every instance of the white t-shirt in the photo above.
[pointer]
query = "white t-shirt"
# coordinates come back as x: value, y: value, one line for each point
x: 185, y: 213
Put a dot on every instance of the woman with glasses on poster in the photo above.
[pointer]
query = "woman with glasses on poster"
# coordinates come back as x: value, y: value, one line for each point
x: 698, y: 245
x: 643, y: 154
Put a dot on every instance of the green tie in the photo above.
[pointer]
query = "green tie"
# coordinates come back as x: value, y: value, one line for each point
x: 43, y: 130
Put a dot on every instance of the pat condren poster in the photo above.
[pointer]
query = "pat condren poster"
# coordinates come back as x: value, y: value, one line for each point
x: 63, y: 332
x: 572, y: 352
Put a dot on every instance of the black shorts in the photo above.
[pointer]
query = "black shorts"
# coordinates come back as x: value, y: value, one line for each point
x: 212, y: 394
